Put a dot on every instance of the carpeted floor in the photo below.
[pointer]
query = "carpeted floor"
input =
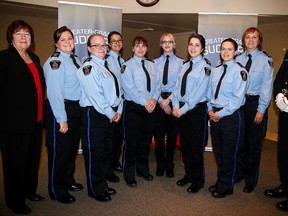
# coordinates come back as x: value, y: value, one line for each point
x: 161, y: 196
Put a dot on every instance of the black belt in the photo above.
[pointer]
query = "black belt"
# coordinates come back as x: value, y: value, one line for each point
x: 181, y: 104
x: 165, y: 95
x: 252, y: 96
x: 71, y: 101
x: 216, y: 109
x: 113, y: 108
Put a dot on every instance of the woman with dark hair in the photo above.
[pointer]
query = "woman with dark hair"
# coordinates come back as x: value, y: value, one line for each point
x: 226, y: 95
x: 141, y: 88
x: 62, y: 109
x: 115, y: 62
x: 259, y: 66
x: 22, y: 87
x: 190, y: 106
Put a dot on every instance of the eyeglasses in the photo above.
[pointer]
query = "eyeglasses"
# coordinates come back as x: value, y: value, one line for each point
x: 116, y: 41
x: 99, y: 46
x: 167, y: 42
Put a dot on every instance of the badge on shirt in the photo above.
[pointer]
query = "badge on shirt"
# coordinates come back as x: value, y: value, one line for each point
x: 207, y: 71
x: 123, y: 67
x: 87, y: 70
x: 55, y: 64
x: 244, y: 75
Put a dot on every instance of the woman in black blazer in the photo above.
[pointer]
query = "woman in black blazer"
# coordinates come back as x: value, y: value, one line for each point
x: 22, y: 88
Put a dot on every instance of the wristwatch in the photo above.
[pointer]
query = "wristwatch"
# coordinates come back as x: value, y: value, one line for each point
x: 147, y: 3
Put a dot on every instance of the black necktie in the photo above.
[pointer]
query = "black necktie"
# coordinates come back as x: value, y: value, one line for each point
x: 165, y: 71
x: 147, y: 76
x: 184, y: 79
x: 219, y: 83
x: 119, y: 62
x: 74, y: 61
x: 115, y: 79
x: 249, y: 62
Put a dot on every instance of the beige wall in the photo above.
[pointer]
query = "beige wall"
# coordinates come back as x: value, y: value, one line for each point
x: 275, y: 39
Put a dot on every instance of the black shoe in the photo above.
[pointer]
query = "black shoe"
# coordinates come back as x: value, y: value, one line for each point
x: 282, y: 206
x: 278, y: 192
x: 75, y: 187
x: 182, y: 182
x: 111, y: 191
x: 131, y: 182
x: 248, y: 189
x: 170, y: 173
x: 212, y: 188
x: 103, y: 197
x: 147, y: 177
x: 238, y: 180
x: 159, y: 172
x: 193, y: 188
x: 21, y: 210
x: 35, y: 198
x: 66, y: 199
x: 218, y: 194
x: 112, y: 178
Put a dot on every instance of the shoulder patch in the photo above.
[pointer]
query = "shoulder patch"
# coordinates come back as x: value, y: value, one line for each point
x: 87, y: 59
x: 240, y: 64
x: 207, y: 71
x: 87, y: 70
x: 123, y: 67
x: 207, y: 61
x: 270, y: 62
x: 243, y: 75
x: 55, y: 54
x: 55, y: 64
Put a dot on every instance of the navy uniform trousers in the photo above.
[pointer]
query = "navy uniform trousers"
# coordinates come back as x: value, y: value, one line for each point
x: 138, y: 130
x: 62, y: 148
x: 193, y: 131
x: 20, y: 159
x: 249, y: 154
x: 165, y: 125
x: 226, y: 135
x: 97, y: 140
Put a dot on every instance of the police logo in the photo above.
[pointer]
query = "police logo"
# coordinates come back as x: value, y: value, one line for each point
x: 123, y: 69
x: 207, y: 71
x: 244, y: 75
x: 87, y: 70
x: 55, y: 64
x: 270, y: 62
x: 55, y: 54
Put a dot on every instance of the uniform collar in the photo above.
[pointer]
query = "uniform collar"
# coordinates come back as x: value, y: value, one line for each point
x: 197, y: 59
x: 97, y: 59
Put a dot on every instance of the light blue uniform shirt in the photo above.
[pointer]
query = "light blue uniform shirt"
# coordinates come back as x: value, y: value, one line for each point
x: 134, y: 81
x: 175, y: 64
x: 260, y: 77
x: 232, y: 91
x: 196, y: 85
x: 113, y: 62
x: 99, y: 88
x: 62, y: 82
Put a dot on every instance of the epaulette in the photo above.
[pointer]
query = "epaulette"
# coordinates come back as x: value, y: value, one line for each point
x: 87, y: 70
x: 207, y: 61
x: 106, y: 56
x: 243, y: 75
x: 239, y: 54
x: 219, y: 65
x: 184, y: 62
x: 149, y: 60
x: 55, y: 54
x: 87, y: 59
x: 266, y: 54
x: 240, y: 64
